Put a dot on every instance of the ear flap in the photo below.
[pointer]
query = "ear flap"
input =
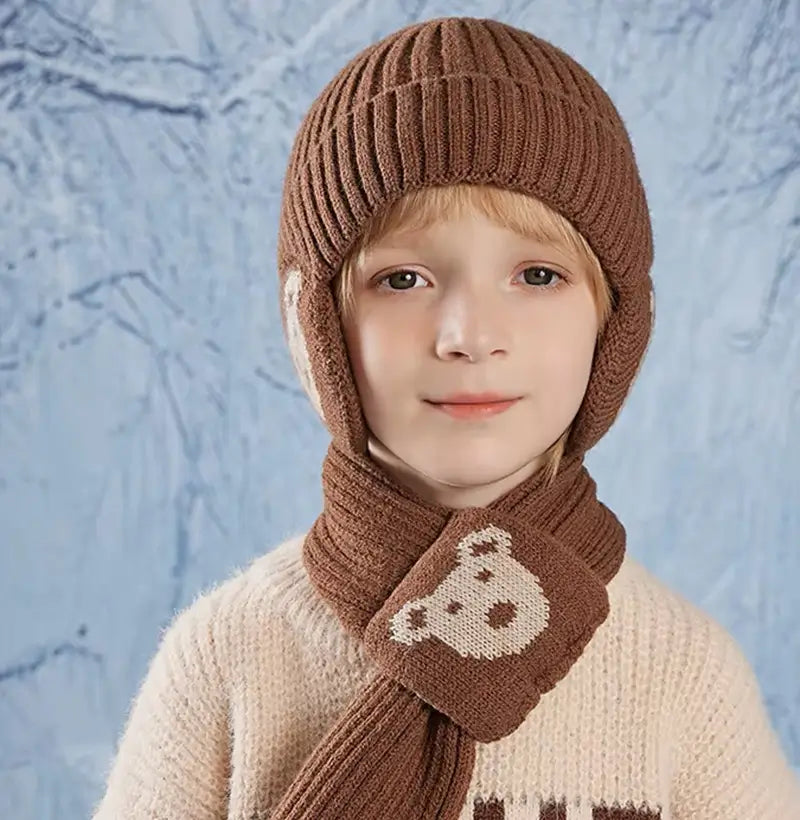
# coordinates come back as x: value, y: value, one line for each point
x: 618, y: 359
x: 319, y: 353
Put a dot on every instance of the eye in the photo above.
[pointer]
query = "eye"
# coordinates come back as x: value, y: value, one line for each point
x: 400, y: 280
x: 539, y: 275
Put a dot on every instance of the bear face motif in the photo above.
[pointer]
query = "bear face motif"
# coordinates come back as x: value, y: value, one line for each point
x: 488, y: 606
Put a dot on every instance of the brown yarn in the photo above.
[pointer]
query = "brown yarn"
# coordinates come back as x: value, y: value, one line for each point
x: 468, y: 615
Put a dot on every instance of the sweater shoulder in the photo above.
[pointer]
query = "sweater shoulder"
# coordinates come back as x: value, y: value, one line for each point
x: 268, y: 603
x: 691, y: 643
x: 640, y: 588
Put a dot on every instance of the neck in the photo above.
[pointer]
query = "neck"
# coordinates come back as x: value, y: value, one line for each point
x: 446, y: 494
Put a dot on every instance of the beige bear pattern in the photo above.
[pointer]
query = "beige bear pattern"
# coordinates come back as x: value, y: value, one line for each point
x: 489, y: 606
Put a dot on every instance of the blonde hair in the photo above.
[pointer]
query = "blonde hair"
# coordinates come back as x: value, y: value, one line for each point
x: 519, y: 212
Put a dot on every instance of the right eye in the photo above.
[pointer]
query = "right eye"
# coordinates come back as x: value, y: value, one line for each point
x: 400, y: 280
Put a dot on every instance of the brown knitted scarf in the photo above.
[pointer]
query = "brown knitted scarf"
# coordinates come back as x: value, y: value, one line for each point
x: 469, y: 615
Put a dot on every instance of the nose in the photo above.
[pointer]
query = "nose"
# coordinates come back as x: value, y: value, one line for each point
x: 471, y: 326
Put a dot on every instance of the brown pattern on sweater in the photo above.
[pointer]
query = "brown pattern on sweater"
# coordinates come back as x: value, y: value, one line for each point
x: 494, y: 809
x: 491, y: 809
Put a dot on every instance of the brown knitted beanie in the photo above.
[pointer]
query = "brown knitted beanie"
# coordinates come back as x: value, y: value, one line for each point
x: 460, y: 100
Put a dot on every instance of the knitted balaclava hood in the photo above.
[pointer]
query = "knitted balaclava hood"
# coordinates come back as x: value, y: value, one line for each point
x: 468, y: 616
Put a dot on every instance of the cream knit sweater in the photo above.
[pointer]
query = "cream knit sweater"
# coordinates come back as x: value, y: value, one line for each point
x: 662, y: 714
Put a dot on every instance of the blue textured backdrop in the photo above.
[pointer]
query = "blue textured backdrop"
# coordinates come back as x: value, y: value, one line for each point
x: 152, y: 433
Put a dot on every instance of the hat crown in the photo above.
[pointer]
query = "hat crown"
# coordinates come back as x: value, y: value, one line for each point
x: 458, y: 46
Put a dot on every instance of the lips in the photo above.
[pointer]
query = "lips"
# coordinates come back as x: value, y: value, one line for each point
x: 473, y: 398
x: 474, y: 405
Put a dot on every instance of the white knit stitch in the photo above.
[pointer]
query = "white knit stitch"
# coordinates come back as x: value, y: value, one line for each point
x: 662, y: 710
x: 521, y: 809
x: 579, y: 810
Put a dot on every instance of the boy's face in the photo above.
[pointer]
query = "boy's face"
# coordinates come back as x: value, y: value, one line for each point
x: 471, y: 307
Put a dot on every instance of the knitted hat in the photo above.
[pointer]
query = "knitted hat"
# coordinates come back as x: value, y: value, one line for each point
x: 460, y: 100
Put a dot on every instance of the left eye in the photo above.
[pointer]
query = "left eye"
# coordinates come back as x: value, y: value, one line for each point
x: 538, y: 275
x: 403, y: 279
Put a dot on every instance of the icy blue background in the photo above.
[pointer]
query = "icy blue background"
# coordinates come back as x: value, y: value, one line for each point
x: 152, y: 433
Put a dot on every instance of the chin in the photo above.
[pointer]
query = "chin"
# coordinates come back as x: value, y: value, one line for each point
x: 473, y: 466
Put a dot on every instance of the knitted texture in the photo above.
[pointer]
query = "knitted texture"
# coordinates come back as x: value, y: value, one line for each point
x: 460, y: 100
x: 661, y: 717
x: 485, y: 610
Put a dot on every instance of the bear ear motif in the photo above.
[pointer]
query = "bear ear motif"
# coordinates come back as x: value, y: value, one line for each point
x: 297, y: 343
x: 480, y: 543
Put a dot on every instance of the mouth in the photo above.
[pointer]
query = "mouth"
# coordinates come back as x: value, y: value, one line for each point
x: 473, y: 406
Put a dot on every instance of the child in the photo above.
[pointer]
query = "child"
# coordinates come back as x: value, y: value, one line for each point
x: 464, y: 253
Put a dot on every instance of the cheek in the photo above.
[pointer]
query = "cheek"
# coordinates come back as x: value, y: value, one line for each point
x: 566, y: 343
x: 356, y: 348
x: 381, y: 359
x: 576, y: 352
x: 560, y: 382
